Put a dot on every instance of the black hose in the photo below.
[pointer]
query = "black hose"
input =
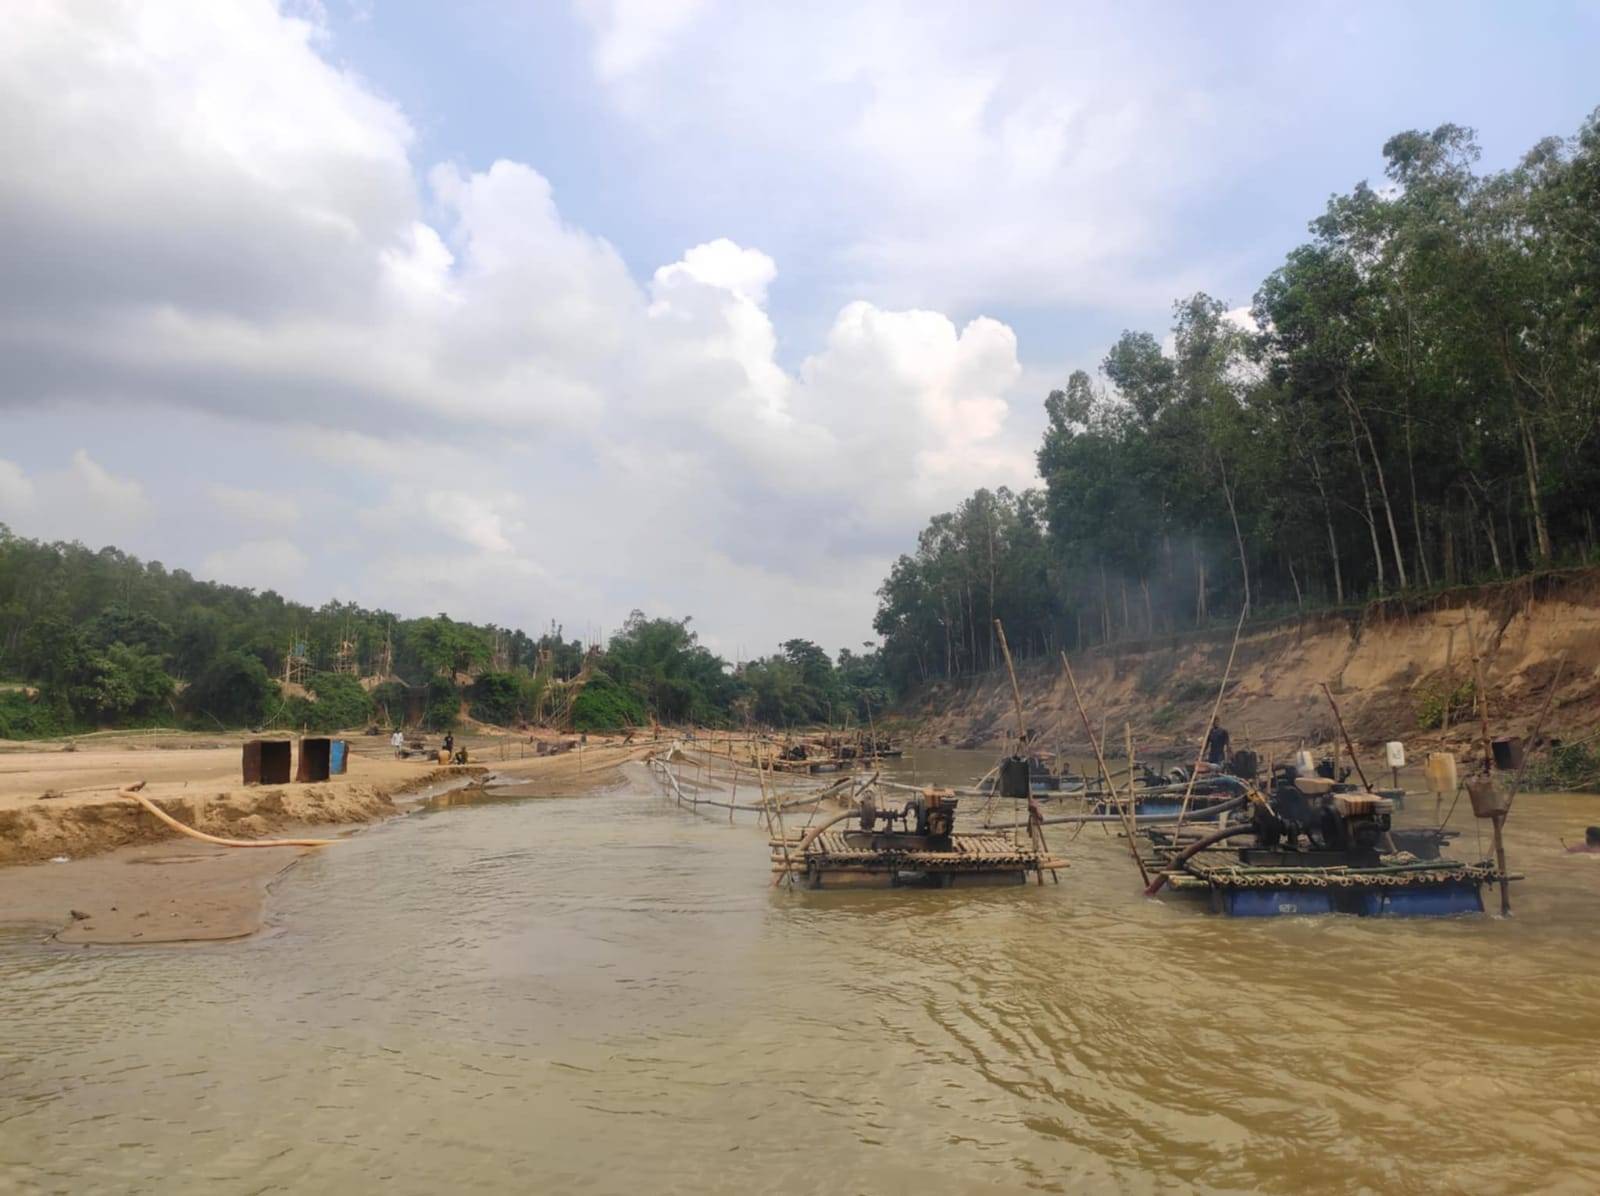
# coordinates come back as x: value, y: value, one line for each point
x: 1227, y: 832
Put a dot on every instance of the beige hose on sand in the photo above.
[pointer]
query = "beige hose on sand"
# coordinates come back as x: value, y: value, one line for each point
x: 205, y: 838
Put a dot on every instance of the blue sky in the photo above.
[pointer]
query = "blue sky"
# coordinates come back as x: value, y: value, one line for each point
x: 551, y: 311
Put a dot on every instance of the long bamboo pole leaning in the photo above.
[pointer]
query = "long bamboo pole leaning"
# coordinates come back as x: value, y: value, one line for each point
x: 1035, y: 815
x: 777, y: 813
x: 1339, y: 719
x: 1216, y: 707
x: 1105, y: 773
x: 1497, y: 822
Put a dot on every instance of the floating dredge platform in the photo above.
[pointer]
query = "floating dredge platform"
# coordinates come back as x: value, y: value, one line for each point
x: 925, y: 853
x: 1318, y: 848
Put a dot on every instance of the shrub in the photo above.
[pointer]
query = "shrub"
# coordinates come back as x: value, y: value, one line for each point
x: 444, y: 705
x: 606, y: 706
x: 341, y: 702
x: 22, y: 717
x: 233, y: 689
x: 497, y: 698
x: 1434, y: 700
x: 338, y: 702
x: 1567, y: 766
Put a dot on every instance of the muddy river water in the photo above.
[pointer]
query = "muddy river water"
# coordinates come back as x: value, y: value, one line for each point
x: 603, y: 994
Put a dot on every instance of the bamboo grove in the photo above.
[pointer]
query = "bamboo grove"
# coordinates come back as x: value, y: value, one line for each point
x: 1411, y: 401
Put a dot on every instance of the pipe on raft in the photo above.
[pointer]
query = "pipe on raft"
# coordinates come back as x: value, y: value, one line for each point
x: 1227, y: 832
x: 1139, y: 819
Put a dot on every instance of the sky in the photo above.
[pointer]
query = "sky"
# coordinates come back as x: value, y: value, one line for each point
x: 554, y: 311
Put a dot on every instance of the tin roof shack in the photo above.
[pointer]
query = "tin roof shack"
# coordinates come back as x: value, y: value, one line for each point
x: 316, y: 759
x: 266, y: 761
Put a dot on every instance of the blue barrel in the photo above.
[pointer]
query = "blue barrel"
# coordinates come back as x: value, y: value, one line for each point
x: 1278, y: 903
x: 338, y: 757
x: 1436, y: 901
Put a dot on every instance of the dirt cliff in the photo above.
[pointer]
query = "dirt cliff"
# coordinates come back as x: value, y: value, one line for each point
x: 1400, y: 669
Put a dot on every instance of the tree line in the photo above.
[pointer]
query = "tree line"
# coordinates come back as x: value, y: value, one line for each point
x: 97, y: 639
x: 1412, y: 402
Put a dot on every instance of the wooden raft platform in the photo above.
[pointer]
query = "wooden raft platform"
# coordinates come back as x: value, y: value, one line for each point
x: 861, y: 859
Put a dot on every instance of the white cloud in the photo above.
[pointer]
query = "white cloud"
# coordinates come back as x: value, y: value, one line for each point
x: 274, y: 563
x: 630, y: 33
x: 254, y: 506
x: 952, y: 157
x: 216, y: 219
x: 16, y: 490
x: 721, y: 263
x: 84, y: 501
x: 122, y: 495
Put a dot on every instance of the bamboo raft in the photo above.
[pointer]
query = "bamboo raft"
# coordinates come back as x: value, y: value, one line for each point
x: 866, y: 859
x: 1247, y: 882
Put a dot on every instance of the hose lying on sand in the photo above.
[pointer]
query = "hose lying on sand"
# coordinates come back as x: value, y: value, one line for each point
x: 144, y: 801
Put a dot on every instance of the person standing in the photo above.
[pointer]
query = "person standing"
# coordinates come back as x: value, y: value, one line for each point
x: 398, y: 742
x: 1217, y: 744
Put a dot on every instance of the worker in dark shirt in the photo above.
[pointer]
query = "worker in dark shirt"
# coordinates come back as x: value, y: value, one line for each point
x: 1217, y: 743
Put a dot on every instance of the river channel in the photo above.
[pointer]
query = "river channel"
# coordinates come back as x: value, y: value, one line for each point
x: 603, y: 994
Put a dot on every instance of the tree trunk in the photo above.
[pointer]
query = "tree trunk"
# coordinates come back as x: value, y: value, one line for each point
x: 1416, y: 509
x: 1327, y: 517
x: 1227, y: 493
x: 1383, y: 485
x: 1149, y: 621
x: 993, y: 645
x: 1297, y: 599
x: 1541, y: 530
x: 1366, y: 499
x: 1105, y: 606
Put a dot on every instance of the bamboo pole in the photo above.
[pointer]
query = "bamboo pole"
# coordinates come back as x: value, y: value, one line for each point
x: 1496, y: 822
x: 1077, y: 698
x: 1035, y: 815
x: 1205, y: 731
x: 1339, y: 719
x: 778, y: 815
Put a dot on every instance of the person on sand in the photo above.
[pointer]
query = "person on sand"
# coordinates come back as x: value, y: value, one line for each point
x: 1217, y: 743
x: 397, y: 741
x: 449, y: 744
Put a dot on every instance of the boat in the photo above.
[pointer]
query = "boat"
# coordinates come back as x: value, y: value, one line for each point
x: 923, y: 852
x: 1316, y: 846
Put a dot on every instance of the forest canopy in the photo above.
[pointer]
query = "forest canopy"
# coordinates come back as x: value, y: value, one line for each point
x: 1411, y: 401
x: 101, y: 639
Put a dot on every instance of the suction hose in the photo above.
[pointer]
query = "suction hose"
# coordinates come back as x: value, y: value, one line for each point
x: 144, y: 801
x: 1227, y: 832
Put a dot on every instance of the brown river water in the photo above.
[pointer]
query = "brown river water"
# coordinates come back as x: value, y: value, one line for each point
x: 603, y: 994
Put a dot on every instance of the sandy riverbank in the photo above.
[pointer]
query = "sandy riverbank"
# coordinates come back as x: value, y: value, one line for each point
x: 130, y: 879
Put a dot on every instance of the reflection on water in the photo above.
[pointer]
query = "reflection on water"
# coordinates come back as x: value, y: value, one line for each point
x: 604, y: 994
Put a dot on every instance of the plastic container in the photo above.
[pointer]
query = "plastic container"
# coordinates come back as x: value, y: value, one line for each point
x: 1395, y: 753
x: 1441, y: 770
x: 1507, y: 753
